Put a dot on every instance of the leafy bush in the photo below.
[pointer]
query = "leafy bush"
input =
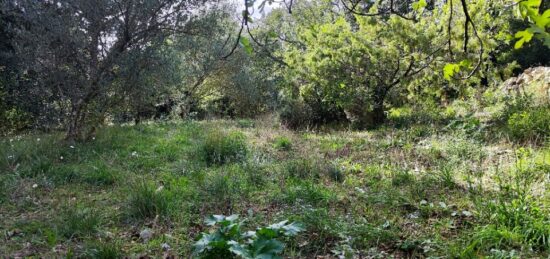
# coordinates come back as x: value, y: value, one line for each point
x: 282, y: 143
x: 531, y: 124
x: 146, y: 201
x: 296, y: 115
x: 229, y: 241
x: 220, y: 147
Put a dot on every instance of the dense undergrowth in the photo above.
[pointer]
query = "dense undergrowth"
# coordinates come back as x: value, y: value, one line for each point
x: 444, y: 187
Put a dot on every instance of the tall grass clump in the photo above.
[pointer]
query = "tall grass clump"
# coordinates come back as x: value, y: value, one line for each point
x: 222, y: 147
x: 517, y: 218
x: 79, y: 222
x: 146, y: 201
x: 532, y: 124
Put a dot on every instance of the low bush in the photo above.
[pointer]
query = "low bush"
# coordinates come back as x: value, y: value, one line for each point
x: 296, y: 115
x: 220, y: 147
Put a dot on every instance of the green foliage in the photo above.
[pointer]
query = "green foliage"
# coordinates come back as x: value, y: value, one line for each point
x: 228, y: 240
x: 345, y: 69
x: 531, y: 124
x: 220, y: 147
x: 282, y: 143
x: 146, y: 201
x: 539, y: 23
x: 516, y: 218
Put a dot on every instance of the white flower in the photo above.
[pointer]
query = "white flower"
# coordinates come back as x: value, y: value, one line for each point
x: 61, y: 157
x: 38, y: 139
x: 10, y: 156
x: 34, y: 185
x: 71, y: 146
x: 134, y: 154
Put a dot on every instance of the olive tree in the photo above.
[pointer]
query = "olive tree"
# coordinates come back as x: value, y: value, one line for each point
x: 74, y: 47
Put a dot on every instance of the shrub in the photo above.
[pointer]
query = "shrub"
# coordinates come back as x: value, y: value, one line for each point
x: 532, y: 124
x: 296, y: 115
x: 146, y: 201
x: 282, y: 143
x: 221, y: 148
x: 229, y: 241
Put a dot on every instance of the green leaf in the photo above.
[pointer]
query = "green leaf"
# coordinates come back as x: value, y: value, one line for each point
x: 542, y: 20
x: 238, y: 249
x: 266, y: 248
x: 293, y: 229
x: 524, y: 36
x: 419, y: 5
x: 245, y: 43
x: 450, y: 69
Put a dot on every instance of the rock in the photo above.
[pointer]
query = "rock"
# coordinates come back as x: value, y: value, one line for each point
x: 534, y: 81
x: 146, y: 235
x: 165, y: 246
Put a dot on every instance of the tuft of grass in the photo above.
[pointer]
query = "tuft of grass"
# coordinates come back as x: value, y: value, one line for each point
x: 335, y: 172
x: 401, y: 178
x: 110, y: 250
x: 101, y: 175
x: 302, y: 168
x: 78, y: 222
x: 282, y: 143
x: 146, y: 201
x: 221, y: 148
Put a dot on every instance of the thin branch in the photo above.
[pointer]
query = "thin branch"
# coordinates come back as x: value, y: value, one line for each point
x: 236, y: 40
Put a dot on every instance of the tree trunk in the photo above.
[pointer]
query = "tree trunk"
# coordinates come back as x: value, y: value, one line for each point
x: 75, y: 123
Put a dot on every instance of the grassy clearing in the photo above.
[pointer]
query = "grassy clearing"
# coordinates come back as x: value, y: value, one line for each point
x: 404, y: 191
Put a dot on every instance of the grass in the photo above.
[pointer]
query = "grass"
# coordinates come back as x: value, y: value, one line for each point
x: 405, y: 190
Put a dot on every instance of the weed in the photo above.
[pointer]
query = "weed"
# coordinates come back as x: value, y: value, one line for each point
x: 335, y: 172
x: 282, y: 143
x: 229, y: 241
